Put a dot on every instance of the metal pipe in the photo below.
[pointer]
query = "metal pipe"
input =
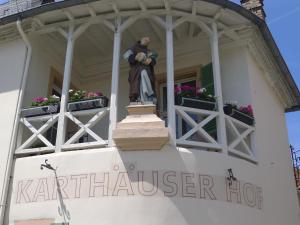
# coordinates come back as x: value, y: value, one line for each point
x: 13, y: 140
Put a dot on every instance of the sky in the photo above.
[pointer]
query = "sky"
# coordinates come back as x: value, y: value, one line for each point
x: 283, y: 18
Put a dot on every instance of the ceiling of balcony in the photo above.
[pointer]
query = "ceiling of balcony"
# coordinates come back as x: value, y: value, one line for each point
x: 93, y: 50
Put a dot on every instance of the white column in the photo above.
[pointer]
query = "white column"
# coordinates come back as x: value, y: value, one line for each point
x: 115, y: 81
x: 62, y: 122
x: 170, y: 77
x: 214, y: 42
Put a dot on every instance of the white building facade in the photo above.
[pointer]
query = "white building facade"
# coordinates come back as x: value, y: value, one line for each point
x: 215, y: 169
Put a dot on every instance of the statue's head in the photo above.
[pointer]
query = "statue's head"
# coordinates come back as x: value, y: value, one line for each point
x: 145, y: 41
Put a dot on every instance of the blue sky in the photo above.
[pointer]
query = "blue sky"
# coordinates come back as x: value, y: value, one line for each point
x: 283, y: 18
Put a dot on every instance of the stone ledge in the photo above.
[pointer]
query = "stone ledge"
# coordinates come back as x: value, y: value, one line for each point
x: 141, y: 129
x: 140, y: 109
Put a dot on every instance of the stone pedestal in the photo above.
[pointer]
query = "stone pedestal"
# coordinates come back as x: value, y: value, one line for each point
x: 142, y: 129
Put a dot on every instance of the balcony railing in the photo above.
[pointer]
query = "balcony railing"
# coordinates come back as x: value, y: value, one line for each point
x: 191, y: 130
x: 39, y: 125
x: 198, y: 128
x: 296, y: 164
x: 195, y: 128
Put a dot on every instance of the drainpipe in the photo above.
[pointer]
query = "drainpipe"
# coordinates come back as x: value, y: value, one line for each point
x: 12, y: 146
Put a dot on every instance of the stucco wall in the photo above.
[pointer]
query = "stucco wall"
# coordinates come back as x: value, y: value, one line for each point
x: 38, y: 75
x: 102, y: 185
x: 235, y: 76
x: 12, y: 59
x: 273, y: 151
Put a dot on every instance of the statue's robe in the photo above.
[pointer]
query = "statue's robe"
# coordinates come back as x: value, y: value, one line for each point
x: 136, y: 68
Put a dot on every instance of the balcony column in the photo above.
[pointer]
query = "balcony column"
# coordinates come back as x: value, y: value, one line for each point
x: 214, y: 42
x: 115, y: 81
x: 170, y: 77
x: 62, y: 122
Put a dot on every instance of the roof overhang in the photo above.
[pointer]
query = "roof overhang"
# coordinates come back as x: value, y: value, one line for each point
x: 261, y: 24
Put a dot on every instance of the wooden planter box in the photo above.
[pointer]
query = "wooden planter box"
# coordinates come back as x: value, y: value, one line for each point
x: 40, y: 110
x: 196, y: 103
x: 88, y: 104
x: 231, y: 111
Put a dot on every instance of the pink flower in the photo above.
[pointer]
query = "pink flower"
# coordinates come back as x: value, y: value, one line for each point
x: 93, y: 94
x: 186, y: 88
x: 40, y: 99
x: 250, y: 110
x: 98, y: 93
x: 247, y: 110
x: 89, y: 94
x: 177, y: 90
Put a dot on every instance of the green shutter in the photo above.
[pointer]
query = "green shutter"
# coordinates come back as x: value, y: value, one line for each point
x: 207, y: 81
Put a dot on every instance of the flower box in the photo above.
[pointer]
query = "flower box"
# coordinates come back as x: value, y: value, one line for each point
x: 233, y: 112
x: 196, y: 103
x: 40, y: 110
x: 99, y: 102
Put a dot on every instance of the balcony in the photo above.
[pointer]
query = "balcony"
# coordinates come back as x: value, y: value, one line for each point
x: 83, y: 51
x: 296, y: 164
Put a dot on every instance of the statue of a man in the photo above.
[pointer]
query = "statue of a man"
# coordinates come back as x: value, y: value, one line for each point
x: 141, y: 75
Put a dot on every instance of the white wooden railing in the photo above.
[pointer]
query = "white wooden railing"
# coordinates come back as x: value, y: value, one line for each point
x: 38, y: 134
x: 195, y: 128
x: 39, y: 125
x: 194, y: 134
x: 191, y: 132
x: 97, y: 115
x: 240, y: 139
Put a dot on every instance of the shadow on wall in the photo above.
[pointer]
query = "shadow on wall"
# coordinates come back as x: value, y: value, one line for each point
x: 167, y: 182
x: 175, y: 181
x: 12, y: 61
x: 174, y: 176
x: 62, y: 209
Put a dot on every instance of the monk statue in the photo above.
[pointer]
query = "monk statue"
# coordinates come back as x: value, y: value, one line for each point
x: 141, y: 75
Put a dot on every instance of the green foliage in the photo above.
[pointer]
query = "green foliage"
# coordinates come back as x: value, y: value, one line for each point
x: 76, y: 96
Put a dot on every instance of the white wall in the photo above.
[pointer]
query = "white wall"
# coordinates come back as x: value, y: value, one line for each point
x: 273, y: 150
x: 38, y: 75
x: 235, y: 76
x: 30, y: 202
x: 12, y: 60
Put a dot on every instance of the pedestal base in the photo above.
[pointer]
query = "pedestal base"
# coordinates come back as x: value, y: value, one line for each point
x: 141, y: 129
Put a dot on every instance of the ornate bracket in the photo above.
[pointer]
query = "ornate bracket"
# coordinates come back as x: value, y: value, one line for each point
x: 231, y: 177
x: 47, y: 165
